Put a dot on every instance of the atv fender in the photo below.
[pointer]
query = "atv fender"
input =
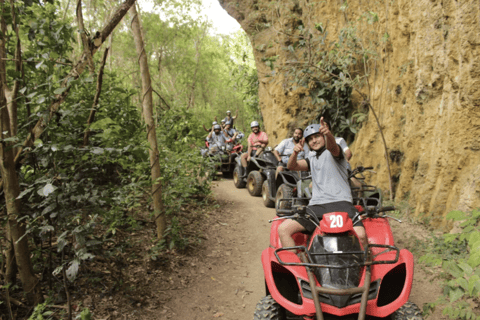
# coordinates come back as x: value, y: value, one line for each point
x: 270, y: 177
x: 237, y: 160
x: 273, y: 270
x: 288, y: 177
x: 396, y: 283
x: 378, y: 232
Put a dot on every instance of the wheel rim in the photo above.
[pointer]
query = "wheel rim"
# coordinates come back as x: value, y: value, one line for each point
x: 280, y: 196
x: 251, y: 184
x: 235, y: 177
x: 264, y: 193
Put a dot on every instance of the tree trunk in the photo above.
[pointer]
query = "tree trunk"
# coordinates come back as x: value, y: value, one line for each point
x: 15, y: 229
x: 147, y: 106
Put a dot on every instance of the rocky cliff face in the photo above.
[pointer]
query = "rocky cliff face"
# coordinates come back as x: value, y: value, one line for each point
x: 424, y: 87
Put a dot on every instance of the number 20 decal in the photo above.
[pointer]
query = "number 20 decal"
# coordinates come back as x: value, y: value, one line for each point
x: 336, y: 221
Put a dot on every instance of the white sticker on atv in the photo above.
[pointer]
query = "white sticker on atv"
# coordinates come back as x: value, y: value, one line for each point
x: 336, y: 221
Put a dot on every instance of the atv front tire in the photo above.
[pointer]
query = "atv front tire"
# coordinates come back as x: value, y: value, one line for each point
x: 269, y: 309
x: 269, y: 203
x: 237, y: 178
x: 283, y: 192
x: 409, y: 311
x: 254, y: 183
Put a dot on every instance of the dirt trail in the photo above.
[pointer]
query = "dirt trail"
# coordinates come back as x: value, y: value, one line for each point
x: 228, y: 278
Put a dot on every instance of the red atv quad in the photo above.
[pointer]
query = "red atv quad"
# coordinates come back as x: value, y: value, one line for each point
x: 333, y: 276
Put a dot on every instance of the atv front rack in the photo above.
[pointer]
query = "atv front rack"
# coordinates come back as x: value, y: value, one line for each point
x: 364, y: 254
x: 306, y: 258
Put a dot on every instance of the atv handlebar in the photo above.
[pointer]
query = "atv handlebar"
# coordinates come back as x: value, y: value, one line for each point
x: 359, y: 169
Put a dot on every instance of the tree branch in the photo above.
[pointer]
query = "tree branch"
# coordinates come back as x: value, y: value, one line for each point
x: 75, y: 73
x: 95, y: 99
x: 168, y: 106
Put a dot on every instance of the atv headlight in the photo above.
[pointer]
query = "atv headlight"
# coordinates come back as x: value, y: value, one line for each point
x: 223, y: 148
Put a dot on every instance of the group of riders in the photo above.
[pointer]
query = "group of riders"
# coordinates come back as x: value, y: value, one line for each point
x: 314, y: 149
x: 220, y: 134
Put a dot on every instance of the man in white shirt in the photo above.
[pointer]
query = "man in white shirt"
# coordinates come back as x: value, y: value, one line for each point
x: 285, y: 148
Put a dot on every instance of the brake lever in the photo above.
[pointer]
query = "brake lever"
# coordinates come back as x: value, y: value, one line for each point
x: 295, y: 216
x: 398, y: 220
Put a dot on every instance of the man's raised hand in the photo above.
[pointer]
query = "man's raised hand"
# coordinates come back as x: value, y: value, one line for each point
x: 323, y: 127
x: 299, y: 146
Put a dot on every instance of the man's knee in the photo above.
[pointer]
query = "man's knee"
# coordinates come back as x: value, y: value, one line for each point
x: 361, y: 234
x: 289, y: 227
x: 284, y: 230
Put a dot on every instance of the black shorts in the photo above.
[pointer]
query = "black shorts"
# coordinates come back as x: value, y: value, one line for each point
x: 253, y: 153
x: 321, y: 209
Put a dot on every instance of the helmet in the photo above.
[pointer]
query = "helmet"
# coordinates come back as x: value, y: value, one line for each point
x: 311, y: 129
x: 214, y: 122
x: 228, y: 122
x: 217, y: 127
x: 223, y: 120
x: 254, y: 124
x: 229, y: 111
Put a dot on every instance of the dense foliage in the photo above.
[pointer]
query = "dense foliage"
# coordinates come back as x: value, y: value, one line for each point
x: 458, y: 254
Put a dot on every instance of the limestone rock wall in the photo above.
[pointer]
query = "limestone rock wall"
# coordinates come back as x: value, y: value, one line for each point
x: 425, y: 91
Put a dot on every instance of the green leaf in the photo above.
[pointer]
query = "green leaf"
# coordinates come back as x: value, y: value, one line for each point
x: 31, y: 95
x: 463, y: 283
x: 474, y: 240
x: 474, y: 260
x: 97, y: 151
x: 46, y: 190
x: 465, y: 267
x: 72, y: 271
x: 474, y: 285
x: 60, y: 90
x: 456, y: 215
x: 57, y: 270
x: 24, y: 192
x: 455, y: 294
x: 102, y: 124
x: 476, y: 213
x: 452, y: 268
x: 49, y: 208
